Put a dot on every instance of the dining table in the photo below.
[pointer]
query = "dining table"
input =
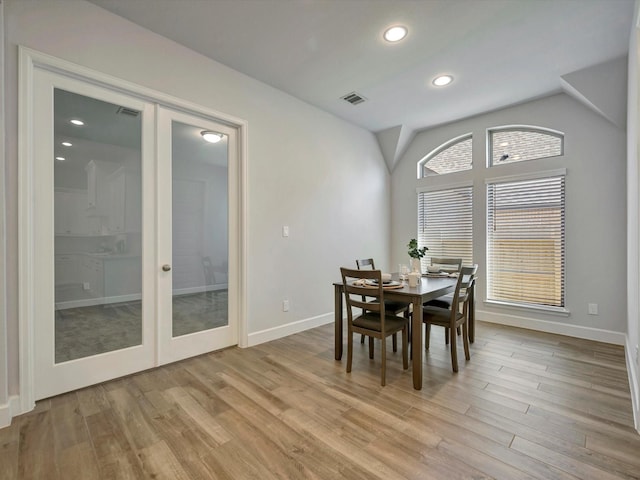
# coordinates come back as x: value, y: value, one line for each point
x: 429, y: 288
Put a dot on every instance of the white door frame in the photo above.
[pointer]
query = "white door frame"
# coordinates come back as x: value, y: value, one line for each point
x: 29, y: 61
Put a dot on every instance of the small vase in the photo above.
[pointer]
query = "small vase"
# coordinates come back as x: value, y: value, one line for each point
x: 416, y: 265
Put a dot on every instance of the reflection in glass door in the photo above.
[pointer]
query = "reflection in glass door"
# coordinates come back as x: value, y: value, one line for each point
x: 200, y: 230
x: 196, y: 283
x: 97, y: 211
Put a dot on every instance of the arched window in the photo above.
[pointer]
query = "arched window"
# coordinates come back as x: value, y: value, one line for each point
x: 452, y: 156
x: 518, y: 143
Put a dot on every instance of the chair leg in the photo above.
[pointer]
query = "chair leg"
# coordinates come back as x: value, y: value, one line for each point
x: 446, y: 335
x: 394, y: 341
x: 383, y: 352
x: 405, y: 338
x: 349, y: 350
x: 458, y: 330
x: 427, y: 335
x: 454, y: 353
x: 465, y: 340
x: 362, y: 338
x: 370, y: 347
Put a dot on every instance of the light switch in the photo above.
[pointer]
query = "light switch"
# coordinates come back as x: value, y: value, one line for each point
x: 285, y: 231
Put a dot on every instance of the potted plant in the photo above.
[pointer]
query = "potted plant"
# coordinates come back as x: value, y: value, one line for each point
x: 416, y: 255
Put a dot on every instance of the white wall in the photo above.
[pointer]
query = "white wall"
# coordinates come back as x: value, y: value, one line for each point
x: 319, y: 175
x: 633, y: 217
x: 595, y: 209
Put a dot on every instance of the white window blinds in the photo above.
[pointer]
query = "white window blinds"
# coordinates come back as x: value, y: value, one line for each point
x: 445, y: 224
x: 526, y: 242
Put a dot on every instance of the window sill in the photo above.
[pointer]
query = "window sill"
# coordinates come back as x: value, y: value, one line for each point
x: 559, y: 311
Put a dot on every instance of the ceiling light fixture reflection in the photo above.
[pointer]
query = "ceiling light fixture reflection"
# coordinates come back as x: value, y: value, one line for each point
x: 75, y: 121
x: 211, y: 137
x: 67, y: 144
x: 61, y: 159
x: 442, y: 80
x: 395, y: 34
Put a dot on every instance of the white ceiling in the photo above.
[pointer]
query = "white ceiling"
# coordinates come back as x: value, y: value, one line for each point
x: 501, y: 52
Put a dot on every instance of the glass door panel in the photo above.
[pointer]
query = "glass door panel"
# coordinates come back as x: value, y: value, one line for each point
x: 196, y: 285
x: 199, y: 230
x: 97, y: 211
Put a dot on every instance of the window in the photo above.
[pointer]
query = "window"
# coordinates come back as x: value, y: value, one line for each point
x: 445, y: 224
x: 526, y: 241
x: 518, y: 143
x: 452, y: 156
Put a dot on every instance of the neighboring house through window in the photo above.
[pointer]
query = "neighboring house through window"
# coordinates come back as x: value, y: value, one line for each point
x: 452, y: 156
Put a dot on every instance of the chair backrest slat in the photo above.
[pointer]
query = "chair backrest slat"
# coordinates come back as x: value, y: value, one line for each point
x: 447, y: 264
x: 355, y: 294
x: 364, y: 263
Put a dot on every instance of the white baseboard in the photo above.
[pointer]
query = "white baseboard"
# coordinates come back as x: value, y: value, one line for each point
x: 634, y: 386
x: 281, y: 331
x: 9, y: 410
x: 587, y: 333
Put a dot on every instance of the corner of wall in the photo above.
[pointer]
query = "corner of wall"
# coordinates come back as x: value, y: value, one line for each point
x: 634, y: 386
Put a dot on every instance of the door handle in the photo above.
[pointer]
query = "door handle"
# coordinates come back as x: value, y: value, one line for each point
x: 166, y: 267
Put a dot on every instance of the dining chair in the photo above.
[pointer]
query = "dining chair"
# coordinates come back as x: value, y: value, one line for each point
x: 390, y: 306
x: 455, y: 316
x: 450, y: 265
x: 373, y: 321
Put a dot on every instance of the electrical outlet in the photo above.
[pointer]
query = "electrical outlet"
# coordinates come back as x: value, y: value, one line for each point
x: 285, y: 305
x: 593, y: 309
x: 86, y: 286
x: 285, y: 231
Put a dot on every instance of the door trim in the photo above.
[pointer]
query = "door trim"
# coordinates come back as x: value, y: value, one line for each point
x: 28, y: 61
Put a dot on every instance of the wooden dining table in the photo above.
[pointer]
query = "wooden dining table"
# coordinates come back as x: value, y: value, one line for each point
x: 428, y: 289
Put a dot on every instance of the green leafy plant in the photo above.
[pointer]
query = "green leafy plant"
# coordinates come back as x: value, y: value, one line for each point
x: 414, y: 251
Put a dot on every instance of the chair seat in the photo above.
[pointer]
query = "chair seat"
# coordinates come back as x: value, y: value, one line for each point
x: 440, y: 316
x: 395, y: 307
x: 442, y: 302
x: 371, y: 321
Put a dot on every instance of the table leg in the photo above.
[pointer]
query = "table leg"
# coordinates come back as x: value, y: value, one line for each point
x: 416, y: 342
x: 338, y: 321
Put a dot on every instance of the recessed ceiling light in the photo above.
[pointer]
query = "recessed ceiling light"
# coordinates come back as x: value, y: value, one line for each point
x: 211, y: 137
x: 60, y: 158
x: 75, y: 121
x: 67, y: 144
x: 442, y: 80
x: 395, y: 34
x: 504, y: 144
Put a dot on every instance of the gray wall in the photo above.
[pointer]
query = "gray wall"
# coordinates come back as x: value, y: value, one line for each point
x: 595, y: 206
x: 322, y: 176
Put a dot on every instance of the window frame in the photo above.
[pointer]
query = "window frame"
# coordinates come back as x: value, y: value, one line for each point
x: 523, y: 128
x: 441, y: 148
x: 558, y: 310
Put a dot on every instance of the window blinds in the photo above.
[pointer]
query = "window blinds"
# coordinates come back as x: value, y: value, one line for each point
x: 526, y: 241
x: 445, y: 224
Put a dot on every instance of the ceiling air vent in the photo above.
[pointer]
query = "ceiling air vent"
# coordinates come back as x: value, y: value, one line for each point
x: 354, y: 98
x: 128, y: 111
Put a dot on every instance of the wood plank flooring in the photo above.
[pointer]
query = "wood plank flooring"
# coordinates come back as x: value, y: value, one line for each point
x: 528, y: 405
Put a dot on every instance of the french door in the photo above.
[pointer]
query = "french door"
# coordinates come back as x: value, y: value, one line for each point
x: 133, y: 216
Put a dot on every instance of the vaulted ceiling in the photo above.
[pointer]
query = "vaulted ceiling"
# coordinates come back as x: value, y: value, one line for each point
x: 500, y: 52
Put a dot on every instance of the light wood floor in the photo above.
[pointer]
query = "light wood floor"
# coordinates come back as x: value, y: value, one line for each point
x: 527, y: 405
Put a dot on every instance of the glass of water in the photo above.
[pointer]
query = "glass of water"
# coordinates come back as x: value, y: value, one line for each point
x: 403, y: 269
